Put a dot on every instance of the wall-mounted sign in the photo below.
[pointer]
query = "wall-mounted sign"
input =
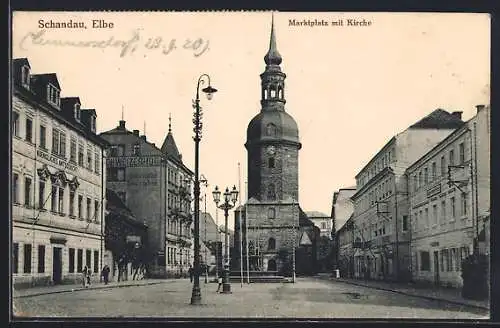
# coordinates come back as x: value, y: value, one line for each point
x: 56, y: 160
x: 133, y: 239
x: 433, y: 190
x: 133, y: 161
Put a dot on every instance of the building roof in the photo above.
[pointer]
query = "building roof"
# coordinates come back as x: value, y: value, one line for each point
x: 21, y: 62
x: 169, y: 147
x: 46, y: 78
x: 439, y: 119
x: 316, y: 214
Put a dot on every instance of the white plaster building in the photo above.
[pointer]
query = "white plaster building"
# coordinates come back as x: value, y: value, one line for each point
x: 58, y: 182
x: 381, y: 224
x: 449, y: 202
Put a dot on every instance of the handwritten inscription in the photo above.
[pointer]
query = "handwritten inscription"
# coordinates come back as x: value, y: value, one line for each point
x: 126, y: 46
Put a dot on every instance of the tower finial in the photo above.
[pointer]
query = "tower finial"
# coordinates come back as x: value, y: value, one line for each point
x: 144, y: 131
x: 122, y: 112
x: 169, y: 122
x: 272, y: 57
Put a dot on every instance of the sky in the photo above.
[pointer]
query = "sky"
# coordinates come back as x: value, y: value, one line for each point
x: 349, y: 88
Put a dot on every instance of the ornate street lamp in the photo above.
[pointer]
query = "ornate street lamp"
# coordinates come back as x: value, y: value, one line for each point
x: 230, y: 198
x: 196, y: 294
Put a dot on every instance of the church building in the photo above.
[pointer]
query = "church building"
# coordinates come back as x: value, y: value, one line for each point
x: 272, y: 222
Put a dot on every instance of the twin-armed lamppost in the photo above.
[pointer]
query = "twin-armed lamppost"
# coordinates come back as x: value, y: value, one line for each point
x: 196, y: 294
x: 230, y: 198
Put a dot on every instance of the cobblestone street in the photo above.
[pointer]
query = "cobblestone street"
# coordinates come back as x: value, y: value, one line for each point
x: 308, y: 298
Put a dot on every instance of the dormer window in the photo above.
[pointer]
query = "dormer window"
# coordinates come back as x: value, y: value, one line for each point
x: 77, y: 112
x: 53, y: 95
x: 25, y: 76
x: 92, y: 124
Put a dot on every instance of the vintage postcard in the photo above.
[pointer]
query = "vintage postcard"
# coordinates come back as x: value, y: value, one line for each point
x: 258, y: 164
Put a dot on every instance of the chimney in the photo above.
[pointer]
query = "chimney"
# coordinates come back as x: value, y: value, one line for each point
x: 136, y: 132
x: 143, y: 138
x: 480, y: 108
x: 457, y: 114
x: 122, y: 125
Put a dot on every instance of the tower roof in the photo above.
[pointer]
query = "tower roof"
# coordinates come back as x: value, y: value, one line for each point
x: 169, y: 147
x: 272, y: 57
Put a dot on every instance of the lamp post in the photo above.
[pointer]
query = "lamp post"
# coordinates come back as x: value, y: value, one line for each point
x: 204, y: 181
x: 230, y: 198
x: 196, y: 293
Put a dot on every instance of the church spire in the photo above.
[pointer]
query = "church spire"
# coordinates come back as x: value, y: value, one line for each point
x: 272, y: 57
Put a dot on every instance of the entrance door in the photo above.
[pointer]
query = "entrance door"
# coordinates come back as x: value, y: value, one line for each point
x: 57, y: 265
x: 271, y: 265
x: 436, y: 267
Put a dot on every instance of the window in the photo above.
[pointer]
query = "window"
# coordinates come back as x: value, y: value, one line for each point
x: 420, y: 181
x: 97, y: 162
x: 55, y: 141
x: 426, y: 176
x: 29, y: 130
x: 443, y: 166
x: 27, y: 258
x: 43, y: 137
x: 323, y: 225
x: 15, y: 188
x: 426, y: 217
x: 464, y: 204
x: 60, y: 208
x: 461, y: 153
x: 15, y: 258
x: 79, y: 264
x: 71, y: 203
x: 113, y: 152
x: 96, y: 211
x: 72, y: 150
x: 80, y: 154
x: 452, y: 157
x: 41, y: 258
x: 41, y: 194
x: 89, y: 205
x: 434, y: 214
x: 271, y: 129
x: 71, y: 260
x: 77, y: 112
x: 136, y: 150
x: 25, y: 76
x: 271, y: 193
x: 415, y: 187
x: 88, y: 258
x: 53, y: 95
x: 433, y: 171
x: 452, y: 205
x: 405, y: 222
x: 271, y: 162
x: 80, y: 204
x: 120, y: 176
x: 442, y: 259
x: 120, y: 150
x: 449, y: 266
x: 15, y: 124
x: 89, y: 157
x: 92, y: 124
x: 96, y: 261
x: 443, y: 211
x: 271, y: 244
x: 27, y: 191
x: 454, y: 259
x: 53, y: 198
x: 425, y: 262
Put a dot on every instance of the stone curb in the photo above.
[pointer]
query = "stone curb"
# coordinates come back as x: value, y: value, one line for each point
x: 91, y: 288
x: 415, y: 295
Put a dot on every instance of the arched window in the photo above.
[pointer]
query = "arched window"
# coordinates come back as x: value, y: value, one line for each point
x: 280, y: 92
x: 271, y: 244
x: 271, y: 193
x: 271, y: 129
x: 271, y: 213
x: 271, y: 162
x: 273, y: 91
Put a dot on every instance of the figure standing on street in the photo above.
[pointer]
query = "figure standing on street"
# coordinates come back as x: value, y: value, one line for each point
x: 219, y: 281
x: 84, y: 276
x: 89, y: 273
x: 105, y: 274
x: 190, y: 273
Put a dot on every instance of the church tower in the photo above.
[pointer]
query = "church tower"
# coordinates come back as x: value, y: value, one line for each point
x: 273, y: 137
x: 269, y: 220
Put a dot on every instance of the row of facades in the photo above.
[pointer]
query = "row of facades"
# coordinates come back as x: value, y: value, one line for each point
x: 421, y: 205
x: 61, y: 170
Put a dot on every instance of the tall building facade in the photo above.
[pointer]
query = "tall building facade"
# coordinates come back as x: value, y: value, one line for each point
x: 271, y: 214
x: 449, y: 195
x: 58, y: 182
x: 381, y: 208
x: 156, y: 186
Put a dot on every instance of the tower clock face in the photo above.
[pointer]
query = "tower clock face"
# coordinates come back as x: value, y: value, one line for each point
x: 271, y: 150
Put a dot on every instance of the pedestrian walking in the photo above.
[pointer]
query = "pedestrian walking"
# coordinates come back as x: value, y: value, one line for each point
x: 219, y: 281
x: 105, y: 274
x: 89, y: 273
x: 84, y: 276
x: 190, y: 273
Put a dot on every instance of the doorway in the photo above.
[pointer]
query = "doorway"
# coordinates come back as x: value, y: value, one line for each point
x: 57, y: 265
x: 271, y: 265
x: 436, y: 267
